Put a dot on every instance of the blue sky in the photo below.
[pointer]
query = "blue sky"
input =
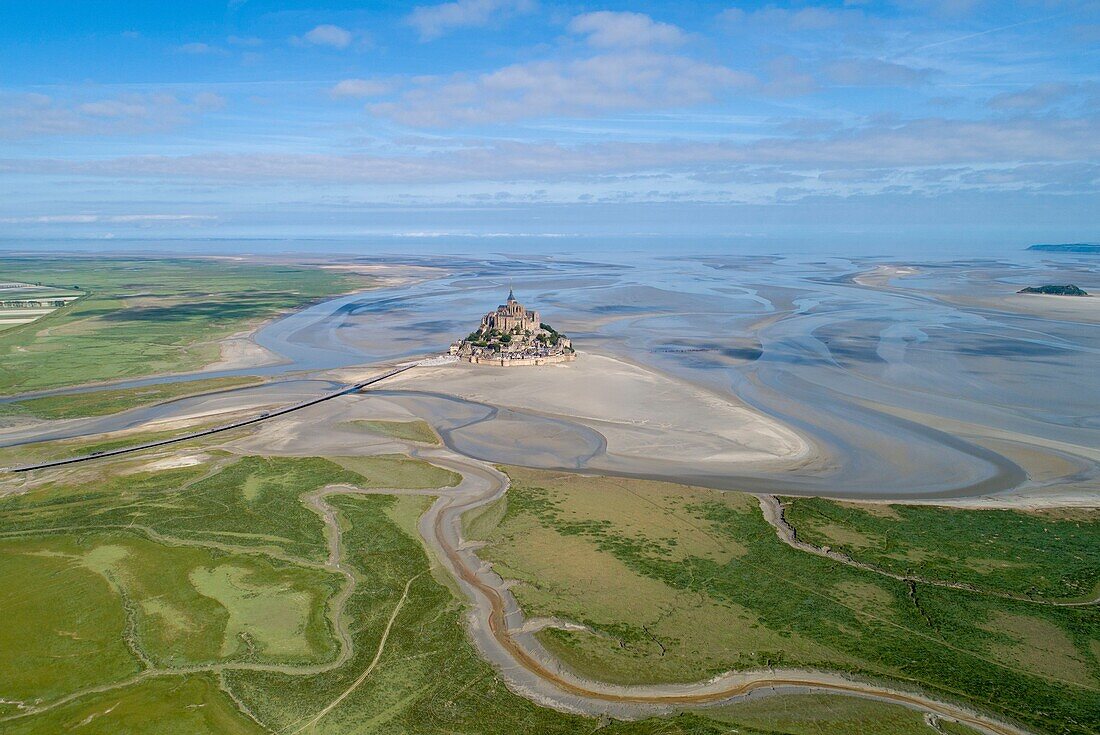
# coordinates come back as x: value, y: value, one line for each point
x: 938, y: 121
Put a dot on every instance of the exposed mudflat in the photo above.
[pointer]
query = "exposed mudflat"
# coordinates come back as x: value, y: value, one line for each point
x: 641, y: 413
x: 864, y: 378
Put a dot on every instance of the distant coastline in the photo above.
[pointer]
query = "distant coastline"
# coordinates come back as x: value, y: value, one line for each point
x: 1068, y: 247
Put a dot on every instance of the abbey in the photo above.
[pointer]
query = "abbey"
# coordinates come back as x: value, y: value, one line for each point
x: 512, y: 336
x: 511, y: 316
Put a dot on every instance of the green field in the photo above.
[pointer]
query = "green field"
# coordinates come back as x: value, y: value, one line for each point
x: 190, y: 704
x: 395, y: 470
x: 413, y: 431
x: 103, y: 402
x: 140, y: 600
x: 678, y: 584
x: 175, y: 605
x: 820, y: 714
x: 1040, y: 555
x: 146, y: 316
x: 28, y: 454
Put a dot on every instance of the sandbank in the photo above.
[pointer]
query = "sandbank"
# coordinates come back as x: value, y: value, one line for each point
x: 644, y: 415
x: 880, y: 275
x: 240, y: 351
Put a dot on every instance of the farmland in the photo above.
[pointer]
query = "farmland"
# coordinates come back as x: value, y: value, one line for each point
x: 146, y: 316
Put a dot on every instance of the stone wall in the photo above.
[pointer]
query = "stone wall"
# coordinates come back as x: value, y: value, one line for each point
x: 518, y: 362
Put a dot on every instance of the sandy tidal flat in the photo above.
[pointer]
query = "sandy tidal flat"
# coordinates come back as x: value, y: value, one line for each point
x: 880, y: 275
x: 240, y: 352
x: 644, y: 415
x: 1080, y: 308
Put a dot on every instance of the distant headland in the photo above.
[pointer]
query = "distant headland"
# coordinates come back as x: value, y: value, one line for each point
x: 1068, y: 247
x: 1052, y: 290
x: 512, y: 336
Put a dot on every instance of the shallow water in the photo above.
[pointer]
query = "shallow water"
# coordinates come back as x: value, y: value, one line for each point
x: 900, y: 384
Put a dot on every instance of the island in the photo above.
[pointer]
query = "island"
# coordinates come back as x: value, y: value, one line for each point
x: 1052, y: 290
x: 512, y: 336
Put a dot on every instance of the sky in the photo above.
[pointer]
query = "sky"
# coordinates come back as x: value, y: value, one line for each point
x: 931, y: 122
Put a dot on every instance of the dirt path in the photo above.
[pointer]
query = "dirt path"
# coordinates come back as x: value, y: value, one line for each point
x: 367, y: 672
x: 772, y: 508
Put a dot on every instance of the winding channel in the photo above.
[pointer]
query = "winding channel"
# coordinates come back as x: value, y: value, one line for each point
x: 496, y: 627
x: 496, y: 621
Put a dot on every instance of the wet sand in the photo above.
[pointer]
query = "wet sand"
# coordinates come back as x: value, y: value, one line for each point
x: 641, y: 413
x: 852, y: 378
x: 240, y: 352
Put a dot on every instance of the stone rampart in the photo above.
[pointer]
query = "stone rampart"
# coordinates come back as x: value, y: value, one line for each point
x: 520, y: 361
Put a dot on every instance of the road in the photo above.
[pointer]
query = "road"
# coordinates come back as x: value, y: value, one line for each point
x: 218, y: 429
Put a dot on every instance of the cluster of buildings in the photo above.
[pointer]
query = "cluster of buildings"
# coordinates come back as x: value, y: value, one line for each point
x: 54, y: 303
x: 512, y: 336
x: 18, y: 295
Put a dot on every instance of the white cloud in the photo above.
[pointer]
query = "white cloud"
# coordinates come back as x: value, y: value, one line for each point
x: 113, y: 218
x: 204, y: 101
x: 1035, y: 97
x: 35, y: 115
x: 200, y: 49
x: 245, y: 41
x: 607, y: 29
x: 875, y: 72
x: 433, y: 21
x: 812, y: 18
x: 114, y: 108
x: 943, y: 7
x: 932, y: 142
x: 361, y: 88
x: 585, y: 87
x: 329, y: 35
x: 787, y: 78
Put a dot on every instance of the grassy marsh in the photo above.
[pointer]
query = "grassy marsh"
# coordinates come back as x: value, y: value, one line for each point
x: 144, y: 316
x: 118, y: 575
x: 1030, y: 554
x: 168, y: 705
x: 648, y: 566
x: 28, y: 454
x: 103, y: 402
x: 414, y: 431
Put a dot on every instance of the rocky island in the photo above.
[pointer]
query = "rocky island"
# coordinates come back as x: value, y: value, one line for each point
x: 512, y: 336
x: 1052, y: 290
